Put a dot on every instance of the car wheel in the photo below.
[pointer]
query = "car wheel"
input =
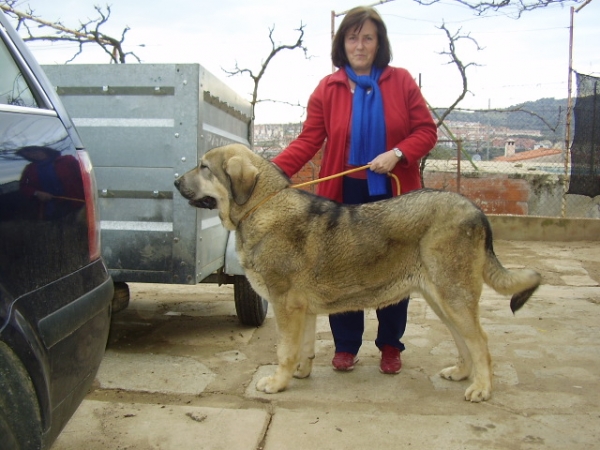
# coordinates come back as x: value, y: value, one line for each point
x: 20, y: 421
x: 120, y: 299
x: 250, y: 307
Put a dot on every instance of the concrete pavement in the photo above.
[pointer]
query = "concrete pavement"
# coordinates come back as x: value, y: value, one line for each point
x: 180, y: 373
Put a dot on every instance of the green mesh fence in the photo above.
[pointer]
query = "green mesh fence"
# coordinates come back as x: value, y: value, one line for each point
x: 585, y: 150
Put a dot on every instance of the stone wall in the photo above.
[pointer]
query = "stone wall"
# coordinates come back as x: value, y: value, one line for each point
x: 494, y: 194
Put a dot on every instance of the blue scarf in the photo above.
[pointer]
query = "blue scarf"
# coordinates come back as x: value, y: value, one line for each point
x: 367, y: 138
x: 48, y: 177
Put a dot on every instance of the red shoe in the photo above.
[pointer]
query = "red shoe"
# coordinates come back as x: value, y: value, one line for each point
x: 344, y: 361
x: 390, y: 360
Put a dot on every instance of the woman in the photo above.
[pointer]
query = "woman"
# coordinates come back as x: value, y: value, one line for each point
x: 367, y: 112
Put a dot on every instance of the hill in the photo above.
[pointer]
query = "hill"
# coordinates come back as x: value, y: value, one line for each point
x: 548, y: 115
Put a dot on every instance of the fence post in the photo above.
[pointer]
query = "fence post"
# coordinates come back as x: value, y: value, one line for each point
x: 458, y: 174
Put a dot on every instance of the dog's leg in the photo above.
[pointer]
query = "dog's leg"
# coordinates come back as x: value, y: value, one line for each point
x: 290, y: 323
x: 481, y: 388
x: 462, y: 319
x: 463, y: 367
x: 307, y: 355
x: 470, y: 335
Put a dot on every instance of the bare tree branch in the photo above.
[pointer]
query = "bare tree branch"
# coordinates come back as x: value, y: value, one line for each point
x: 462, y: 67
x: 86, y: 33
x: 281, y: 102
x: 275, y: 49
x: 518, y: 7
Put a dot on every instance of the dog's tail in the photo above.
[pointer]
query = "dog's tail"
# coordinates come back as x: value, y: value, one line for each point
x: 521, y: 283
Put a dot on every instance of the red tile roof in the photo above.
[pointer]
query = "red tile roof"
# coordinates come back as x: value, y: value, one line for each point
x: 531, y: 154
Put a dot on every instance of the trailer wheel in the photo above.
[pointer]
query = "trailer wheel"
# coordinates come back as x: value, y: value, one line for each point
x: 120, y: 299
x: 250, y: 307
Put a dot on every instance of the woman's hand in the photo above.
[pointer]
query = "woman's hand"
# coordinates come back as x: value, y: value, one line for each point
x: 42, y: 196
x: 384, y: 163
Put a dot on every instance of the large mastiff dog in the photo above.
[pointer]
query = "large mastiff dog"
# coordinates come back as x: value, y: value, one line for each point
x: 308, y: 255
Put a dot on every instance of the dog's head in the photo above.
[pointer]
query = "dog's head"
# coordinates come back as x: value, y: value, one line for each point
x: 226, y: 178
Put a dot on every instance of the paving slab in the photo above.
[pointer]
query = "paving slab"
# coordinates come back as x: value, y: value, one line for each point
x: 101, y: 426
x: 148, y: 372
x: 495, y: 429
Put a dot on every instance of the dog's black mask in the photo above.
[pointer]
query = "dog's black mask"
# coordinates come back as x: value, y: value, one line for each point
x: 204, y: 202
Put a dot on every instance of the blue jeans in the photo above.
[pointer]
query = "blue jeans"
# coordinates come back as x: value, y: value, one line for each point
x: 348, y: 327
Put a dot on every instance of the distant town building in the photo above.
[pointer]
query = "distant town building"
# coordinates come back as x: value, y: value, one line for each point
x: 477, y: 131
x: 270, y: 139
x: 509, y: 147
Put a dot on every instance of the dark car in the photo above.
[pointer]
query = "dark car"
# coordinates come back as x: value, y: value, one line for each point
x: 55, y: 291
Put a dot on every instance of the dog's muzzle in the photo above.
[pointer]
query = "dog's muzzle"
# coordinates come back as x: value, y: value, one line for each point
x: 204, y: 202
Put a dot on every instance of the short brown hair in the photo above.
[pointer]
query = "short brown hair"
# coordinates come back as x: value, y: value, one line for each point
x: 355, y: 18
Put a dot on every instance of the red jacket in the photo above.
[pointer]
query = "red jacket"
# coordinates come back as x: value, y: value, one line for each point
x: 409, y: 126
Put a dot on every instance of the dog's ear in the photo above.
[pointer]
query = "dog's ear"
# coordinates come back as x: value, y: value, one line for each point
x: 242, y: 177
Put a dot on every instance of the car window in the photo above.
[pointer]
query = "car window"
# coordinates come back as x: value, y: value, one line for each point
x: 13, y: 87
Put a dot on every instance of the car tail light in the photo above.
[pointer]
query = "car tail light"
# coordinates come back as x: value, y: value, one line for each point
x: 91, y: 197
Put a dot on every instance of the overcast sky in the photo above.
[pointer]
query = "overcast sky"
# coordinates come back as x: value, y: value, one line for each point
x: 521, y: 59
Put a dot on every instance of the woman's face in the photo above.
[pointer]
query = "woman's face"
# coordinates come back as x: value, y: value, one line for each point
x: 361, y: 47
x: 34, y: 154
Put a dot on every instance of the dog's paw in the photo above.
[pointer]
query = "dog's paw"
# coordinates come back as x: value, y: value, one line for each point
x: 304, y: 369
x: 454, y: 373
x: 478, y: 393
x: 269, y: 385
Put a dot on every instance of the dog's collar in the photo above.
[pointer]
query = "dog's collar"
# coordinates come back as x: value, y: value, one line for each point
x: 255, y: 207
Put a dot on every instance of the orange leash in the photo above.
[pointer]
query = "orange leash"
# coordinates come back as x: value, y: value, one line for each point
x: 341, y: 174
x: 71, y: 199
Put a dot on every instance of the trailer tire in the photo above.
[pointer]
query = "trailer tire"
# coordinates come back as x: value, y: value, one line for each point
x: 250, y: 307
x: 120, y: 299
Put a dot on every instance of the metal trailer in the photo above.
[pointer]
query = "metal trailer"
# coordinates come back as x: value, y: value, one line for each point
x: 144, y: 125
